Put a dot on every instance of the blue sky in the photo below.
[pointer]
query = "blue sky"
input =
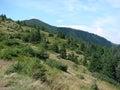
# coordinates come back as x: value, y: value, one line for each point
x: 101, y: 17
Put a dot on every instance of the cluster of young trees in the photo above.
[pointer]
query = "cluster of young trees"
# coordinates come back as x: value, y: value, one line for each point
x: 3, y: 17
x: 104, y: 61
x: 32, y: 36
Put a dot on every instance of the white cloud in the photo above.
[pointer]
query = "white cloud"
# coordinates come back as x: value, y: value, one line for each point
x: 103, y: 27
x: 32, y: 17
x: 114, y: 3
x: 60, y: 21
x: 77, y: 5
x: 100, y: 22
x: 95, y: 30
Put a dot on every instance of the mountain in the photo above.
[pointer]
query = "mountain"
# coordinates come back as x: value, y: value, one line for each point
x: 83, y: 35
x: 33, y: 59
x: 86, y: 36
x: 40, y: 24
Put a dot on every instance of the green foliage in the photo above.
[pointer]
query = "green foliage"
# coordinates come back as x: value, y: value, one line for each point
x: 118, y: 72
x: 51, y: 35
x: 11, y: 42
x: 39, y: 24
x: 79, y: 51
x: 26, y: 37
x: 63, y: 52
x: 3, y: 17
x: 84, y: 61
x: 56, y: 64
x: 82, y: 47
x: 60, y: 34
x: 15, y: 68
x: 73, y: 58
x: 9, y: 53
x: 86, y: 36
x: 33, y: 36
x: 31, y: 67
x: 109, y: 65
x: 40, y: 74
x: 95, y: 64
x: 55, y: 48
x: 94, y: 86
x: 41, y: 54
x: 105, y: 78
x: 28, y: 51
x: 72, y: 43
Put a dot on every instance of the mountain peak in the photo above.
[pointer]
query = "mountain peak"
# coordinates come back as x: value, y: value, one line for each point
x: 79, y: 34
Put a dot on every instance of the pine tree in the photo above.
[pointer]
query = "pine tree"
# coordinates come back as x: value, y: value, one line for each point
x: 55, y: 48
x: 63, y: 52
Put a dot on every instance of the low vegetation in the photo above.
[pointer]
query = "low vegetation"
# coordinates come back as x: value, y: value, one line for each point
x: 31, y: 48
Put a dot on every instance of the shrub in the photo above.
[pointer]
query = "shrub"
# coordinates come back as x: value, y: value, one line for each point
x: 9, y: 53
x: 94, y: 86
x: 55, y: 48
x: 56, y: 64
x: 30, y: 67
x: 79, y: 52
x: 41, y: 54
x: 73, y: 58
x: 11, y: 42
x: 27, y: 50
x: 63, y: 52
x: 25, y: 37
x: 51, y: 35
x: 105, y: 78
x: 40, y: 74
x: 15, y: 68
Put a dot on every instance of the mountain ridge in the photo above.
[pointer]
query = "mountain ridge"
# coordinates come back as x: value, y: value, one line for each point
x: 79, y: 34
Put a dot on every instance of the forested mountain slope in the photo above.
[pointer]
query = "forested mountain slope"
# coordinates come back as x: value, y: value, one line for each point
x: 86, y: 36
x: 32, y: 58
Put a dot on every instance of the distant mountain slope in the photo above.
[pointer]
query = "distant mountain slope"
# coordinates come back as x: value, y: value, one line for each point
x: 86, y: 36
x: 40, y: 24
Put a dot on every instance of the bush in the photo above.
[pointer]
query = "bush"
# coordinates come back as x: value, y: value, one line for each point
x: 63, y: 52
x: 29, y: 66
x: 79, y: 52
x: 15, y: 68
x: 56, y: 64
x: 40, y: 74
x: 105, y: 78
x: 27, y: 50
x: 9, y: 53
x: 94, y: 86
x: 51, y: 35
x: 11, y: 42
x: 41, y: 54
x: 73, y: 57
x: 55, y: 48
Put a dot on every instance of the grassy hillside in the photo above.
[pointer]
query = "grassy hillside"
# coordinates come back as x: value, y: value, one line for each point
x: 86, y: 36
x: 33, y: 59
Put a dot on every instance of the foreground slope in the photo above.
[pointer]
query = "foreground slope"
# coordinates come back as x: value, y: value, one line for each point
x: 31, y: 61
